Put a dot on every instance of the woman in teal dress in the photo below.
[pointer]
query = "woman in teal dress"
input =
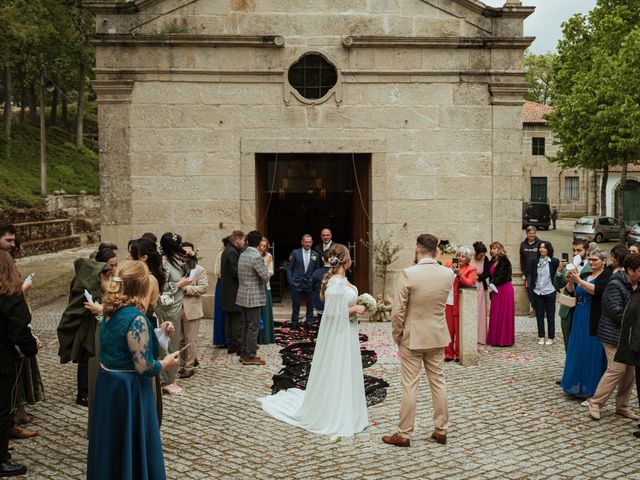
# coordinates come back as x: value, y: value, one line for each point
x: 124, y: 435
x: 267, y: 333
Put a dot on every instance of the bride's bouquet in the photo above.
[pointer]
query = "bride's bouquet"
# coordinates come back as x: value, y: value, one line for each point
x: 369, y: 303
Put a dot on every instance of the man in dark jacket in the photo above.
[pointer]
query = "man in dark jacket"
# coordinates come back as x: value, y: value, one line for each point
x: 229, y: 291
x: 614, y: 301
x: 14, y: 331
x: 529, y: 253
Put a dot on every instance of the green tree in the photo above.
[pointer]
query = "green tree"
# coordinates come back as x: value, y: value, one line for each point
x: 539, y: 77
x: 592, y: 89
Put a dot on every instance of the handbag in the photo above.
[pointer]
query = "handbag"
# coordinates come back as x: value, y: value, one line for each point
x: 567, y: 300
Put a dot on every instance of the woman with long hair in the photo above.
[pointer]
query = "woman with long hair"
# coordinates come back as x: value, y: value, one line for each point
x: 334, y: 401
x: 502, y: 315
x: 267, y: 333
x: 14, y: 331
x: 170, y: 306
x: 124, y: 435
x: 543, y: 294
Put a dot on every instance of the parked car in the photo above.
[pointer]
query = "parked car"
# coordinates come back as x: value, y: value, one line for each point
x: 634, y: 235
x: 597, y: 229
x: 537, y: 214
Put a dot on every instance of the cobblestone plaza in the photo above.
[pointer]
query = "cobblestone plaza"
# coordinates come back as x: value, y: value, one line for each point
x: 508, y: 419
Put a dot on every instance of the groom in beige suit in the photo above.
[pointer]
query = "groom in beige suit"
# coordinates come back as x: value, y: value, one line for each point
x: 420, y: 330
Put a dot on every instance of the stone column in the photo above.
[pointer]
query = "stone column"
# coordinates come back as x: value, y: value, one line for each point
x: 114, y: 106
x: 468, y: 328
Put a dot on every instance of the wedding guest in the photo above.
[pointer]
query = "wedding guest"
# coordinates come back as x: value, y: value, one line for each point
x: 635, y: 248
x: 146, y: 250
x: 529, y: 252
x: 77, y: 328
x: 8, y: 234
x: 124, y: 436
x: 579, y: 248
x: 502, y: 312
x: 302, y: 263
x: 170, y: 305
x: 628, y: 351
x: 466, y: 275
x: 618, y: 254
x: 482, y: 264
x: 14, y: 331
x: 252, y: 280
x: 219, y: 337
x: 229, y: 291
x: 326, y: 243
x: 108, y: 255
x: 29, y: 388
x: 543, y: 271
x: 267, y: 334
x: 586, y: 361
x: 316, y: 285
x: 192, y: 311
x: 614, y: 301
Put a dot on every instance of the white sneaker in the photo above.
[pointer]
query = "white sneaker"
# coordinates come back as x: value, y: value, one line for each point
x: 541, y: 341
x: 172, y: 389
x: 549, y: 341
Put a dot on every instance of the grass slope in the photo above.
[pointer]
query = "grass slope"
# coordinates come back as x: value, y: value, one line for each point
x: 68, y: 168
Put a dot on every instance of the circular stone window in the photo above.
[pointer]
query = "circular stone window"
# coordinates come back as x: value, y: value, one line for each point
x: 312, y: 76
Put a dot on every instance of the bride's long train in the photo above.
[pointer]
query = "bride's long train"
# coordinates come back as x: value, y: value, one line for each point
x: 296, y: 359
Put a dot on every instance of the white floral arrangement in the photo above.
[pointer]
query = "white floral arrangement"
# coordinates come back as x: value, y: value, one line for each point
x: 448, y: 247
x: 369, y: 303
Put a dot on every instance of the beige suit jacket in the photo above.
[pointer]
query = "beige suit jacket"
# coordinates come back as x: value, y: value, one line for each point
x: 418, y: 320
x: 192, y: 301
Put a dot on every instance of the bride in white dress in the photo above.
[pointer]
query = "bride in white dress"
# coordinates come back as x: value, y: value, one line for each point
x: 334, y: 402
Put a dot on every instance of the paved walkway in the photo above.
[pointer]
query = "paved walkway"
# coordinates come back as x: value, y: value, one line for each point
x: 508, y: 420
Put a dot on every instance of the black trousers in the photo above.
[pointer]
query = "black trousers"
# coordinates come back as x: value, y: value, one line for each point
x: 8, y: 392
x: 233, y: 330
x: 82, y: 379
x: 545, y: 304
x: 250, y: 330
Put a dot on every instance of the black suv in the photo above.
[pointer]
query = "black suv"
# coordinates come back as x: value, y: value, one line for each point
x: 537, y: 214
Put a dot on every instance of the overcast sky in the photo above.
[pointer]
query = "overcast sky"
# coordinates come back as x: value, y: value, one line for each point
x: 545, y: 23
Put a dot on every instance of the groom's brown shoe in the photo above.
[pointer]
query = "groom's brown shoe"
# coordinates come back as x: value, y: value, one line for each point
x: 439, y: 437
x: 396, y: 440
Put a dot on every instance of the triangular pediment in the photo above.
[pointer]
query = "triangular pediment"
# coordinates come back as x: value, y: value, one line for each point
x: 304, y: 18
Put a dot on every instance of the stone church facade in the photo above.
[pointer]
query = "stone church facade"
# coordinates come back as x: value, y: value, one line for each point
x: 219, y: 115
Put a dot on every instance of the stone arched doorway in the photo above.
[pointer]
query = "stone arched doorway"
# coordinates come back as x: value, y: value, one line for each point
x: 631, y: 202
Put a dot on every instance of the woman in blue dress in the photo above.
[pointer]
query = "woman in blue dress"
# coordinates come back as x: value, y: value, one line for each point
x: 124, y: 435
x: 219, y: 335
x: 586, y: 361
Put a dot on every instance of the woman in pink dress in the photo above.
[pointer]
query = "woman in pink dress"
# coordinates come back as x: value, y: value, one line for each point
x: 502, y: 317
x: 483, y: 265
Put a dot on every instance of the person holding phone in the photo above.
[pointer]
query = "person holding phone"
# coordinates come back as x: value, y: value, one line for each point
x: 465, y: 276
x: 124, y: 434
x: 544, y: 293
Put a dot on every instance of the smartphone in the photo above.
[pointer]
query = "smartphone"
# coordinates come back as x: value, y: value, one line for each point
x: 30, y: 276
x: 88, y: 296
x: 177, y: 354
x: 455, y: 263
x: 565, y: 257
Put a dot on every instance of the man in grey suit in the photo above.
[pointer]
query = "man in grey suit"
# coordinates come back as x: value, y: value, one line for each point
x: 252, y: 281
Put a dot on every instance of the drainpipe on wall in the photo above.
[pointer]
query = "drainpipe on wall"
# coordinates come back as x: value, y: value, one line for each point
x: 559, y: 190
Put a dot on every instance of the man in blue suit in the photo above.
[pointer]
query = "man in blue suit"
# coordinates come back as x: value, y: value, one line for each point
x: 302, y: 263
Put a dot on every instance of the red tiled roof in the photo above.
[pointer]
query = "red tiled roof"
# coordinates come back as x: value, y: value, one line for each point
x: 532, y: 112
x: 632, y: 167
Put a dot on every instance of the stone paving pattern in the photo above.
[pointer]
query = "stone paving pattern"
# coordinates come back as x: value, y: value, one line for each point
x: 508, y: 419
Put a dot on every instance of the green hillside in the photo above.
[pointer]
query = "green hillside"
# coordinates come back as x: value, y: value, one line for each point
x: 68, y: 168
